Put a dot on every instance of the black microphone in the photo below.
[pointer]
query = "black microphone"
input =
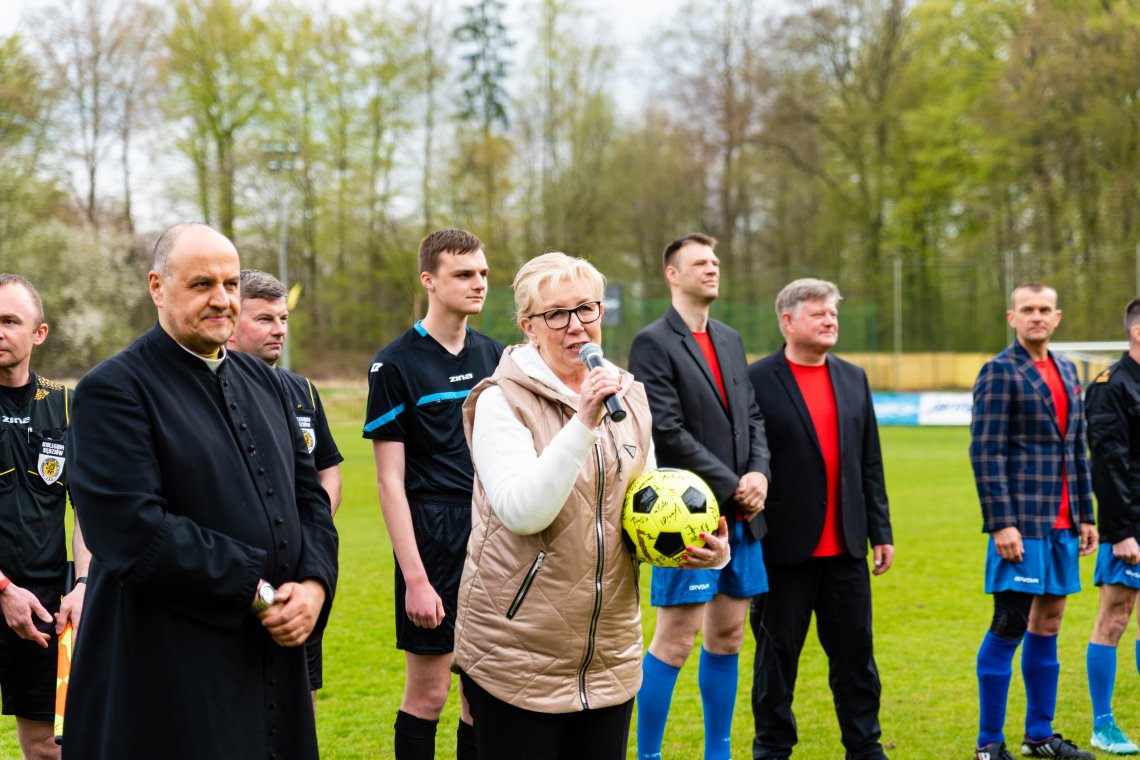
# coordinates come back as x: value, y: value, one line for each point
x: 591, y: 355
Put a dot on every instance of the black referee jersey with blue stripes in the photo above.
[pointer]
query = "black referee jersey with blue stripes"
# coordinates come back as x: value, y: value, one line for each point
x: 416, y: 389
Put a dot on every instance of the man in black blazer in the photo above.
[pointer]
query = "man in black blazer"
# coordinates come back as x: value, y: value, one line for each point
x: 705, y: 419
x: 827, y: 502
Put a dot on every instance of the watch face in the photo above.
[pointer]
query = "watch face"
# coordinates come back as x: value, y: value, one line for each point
x: 267, y: 593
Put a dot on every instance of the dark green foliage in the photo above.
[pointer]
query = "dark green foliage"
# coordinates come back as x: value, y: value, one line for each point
x: 484, y: 37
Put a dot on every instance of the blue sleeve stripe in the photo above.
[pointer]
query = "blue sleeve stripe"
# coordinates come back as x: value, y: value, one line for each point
x: 442, y: 397
x: 384, y: 419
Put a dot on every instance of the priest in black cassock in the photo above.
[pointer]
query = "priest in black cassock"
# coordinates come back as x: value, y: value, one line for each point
x: 215, y: 555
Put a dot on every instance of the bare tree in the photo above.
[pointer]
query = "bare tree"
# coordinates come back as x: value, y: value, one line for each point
x: 100, y: 54
x: 433, y: 44
x: 716, y: 78
x: 218, y: 74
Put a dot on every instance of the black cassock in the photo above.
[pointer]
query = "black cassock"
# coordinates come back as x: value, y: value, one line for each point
x: 190, y: 485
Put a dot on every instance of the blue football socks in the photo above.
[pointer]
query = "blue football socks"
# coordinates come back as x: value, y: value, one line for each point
x: 1100, y: 664
x: 1040, y: 669
x: 995, y: 669
x: 653, y: 700
x: 717, y: 679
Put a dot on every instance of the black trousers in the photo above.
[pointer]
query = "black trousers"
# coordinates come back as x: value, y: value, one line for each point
x: 506, y: 732
x: 838, y: 591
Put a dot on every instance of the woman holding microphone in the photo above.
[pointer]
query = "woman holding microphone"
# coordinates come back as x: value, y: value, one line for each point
x: 548, y: 636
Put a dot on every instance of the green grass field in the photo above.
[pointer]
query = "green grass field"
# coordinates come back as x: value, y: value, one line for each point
x: 930, y: 614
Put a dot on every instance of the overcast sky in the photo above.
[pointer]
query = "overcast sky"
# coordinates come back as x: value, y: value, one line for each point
x: 629, y: 18
x: 625, y: 22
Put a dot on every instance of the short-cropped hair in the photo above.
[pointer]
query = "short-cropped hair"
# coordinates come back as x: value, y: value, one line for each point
x: 805, y: 289
x: 15, y: 279
x: 1032, y: 287
x: 445, y: 241
x: 262, y: 285
x: 670, y: 252
x: 550, y: 268
x: 1131, y: 314
x: 160, y: 259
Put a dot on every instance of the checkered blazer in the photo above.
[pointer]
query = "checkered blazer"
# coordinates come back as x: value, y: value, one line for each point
x: 1016, y: 446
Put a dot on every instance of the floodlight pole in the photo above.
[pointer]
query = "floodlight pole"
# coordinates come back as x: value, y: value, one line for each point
x: 279, y: 157
x: 898, y: 322
x: 283, y: 267
x: 1007, y: 260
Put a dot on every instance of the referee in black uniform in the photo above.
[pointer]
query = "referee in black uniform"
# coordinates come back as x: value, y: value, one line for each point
x: 262, y: 328
x: 34, y: 417
x: 1112, y: 404
x: 416, y: 387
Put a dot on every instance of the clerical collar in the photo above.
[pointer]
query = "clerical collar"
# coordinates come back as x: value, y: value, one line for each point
x: 211, y: 363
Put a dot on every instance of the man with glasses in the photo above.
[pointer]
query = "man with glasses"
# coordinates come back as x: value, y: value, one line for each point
x: 705, y: 419
x: 416, y: 388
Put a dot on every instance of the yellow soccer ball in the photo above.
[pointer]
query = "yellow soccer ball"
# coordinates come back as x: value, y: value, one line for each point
x: 666, y: 510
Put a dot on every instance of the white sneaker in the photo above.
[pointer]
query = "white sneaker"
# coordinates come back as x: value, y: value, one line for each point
x: 1108, y: 737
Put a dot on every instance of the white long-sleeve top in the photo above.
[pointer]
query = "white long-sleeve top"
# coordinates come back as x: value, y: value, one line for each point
x: 526, y: 489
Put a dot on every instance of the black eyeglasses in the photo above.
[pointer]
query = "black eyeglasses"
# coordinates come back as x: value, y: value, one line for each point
x: 557, y: 319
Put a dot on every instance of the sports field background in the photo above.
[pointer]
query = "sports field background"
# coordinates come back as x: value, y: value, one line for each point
x: 930, y: 615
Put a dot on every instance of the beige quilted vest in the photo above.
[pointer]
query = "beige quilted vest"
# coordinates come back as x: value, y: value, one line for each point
x: 550, y: 622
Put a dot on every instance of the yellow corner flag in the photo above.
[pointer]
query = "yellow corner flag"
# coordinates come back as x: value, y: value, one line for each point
x: 294, y: 296
x: 62, y: 676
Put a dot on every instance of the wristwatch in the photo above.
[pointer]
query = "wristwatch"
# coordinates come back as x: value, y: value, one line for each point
x: 265, y: 597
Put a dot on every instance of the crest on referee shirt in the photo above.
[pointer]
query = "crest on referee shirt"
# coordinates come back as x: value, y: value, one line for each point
x: 50, y: 468
x: 51, y: 461
x: 308, y: 432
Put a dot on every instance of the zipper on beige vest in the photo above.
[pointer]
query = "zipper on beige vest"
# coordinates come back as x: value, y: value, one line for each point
x: 525, y: 587
x: 598, y: 571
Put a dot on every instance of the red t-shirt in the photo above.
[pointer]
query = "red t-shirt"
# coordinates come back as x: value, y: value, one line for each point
x: 815, y: 385
x: 1060, y: 395
x: 705, y: 342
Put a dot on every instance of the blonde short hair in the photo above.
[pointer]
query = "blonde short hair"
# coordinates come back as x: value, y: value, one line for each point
x: 550, y: 268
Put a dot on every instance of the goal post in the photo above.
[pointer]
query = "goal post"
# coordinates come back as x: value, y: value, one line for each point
x: 1091, y: 357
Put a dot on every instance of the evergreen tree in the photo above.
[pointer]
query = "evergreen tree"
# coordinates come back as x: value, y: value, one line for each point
x: 484, y: 37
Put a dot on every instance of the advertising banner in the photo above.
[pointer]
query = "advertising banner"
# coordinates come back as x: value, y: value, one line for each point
x: 923, y: 408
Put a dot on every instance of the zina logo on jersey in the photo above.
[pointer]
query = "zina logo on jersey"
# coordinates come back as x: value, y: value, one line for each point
x: 306, y: 424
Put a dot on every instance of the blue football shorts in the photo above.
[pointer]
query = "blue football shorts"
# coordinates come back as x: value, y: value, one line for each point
x: 743, y: 577
x: 1048, y: 566
x: 1111, y: 569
